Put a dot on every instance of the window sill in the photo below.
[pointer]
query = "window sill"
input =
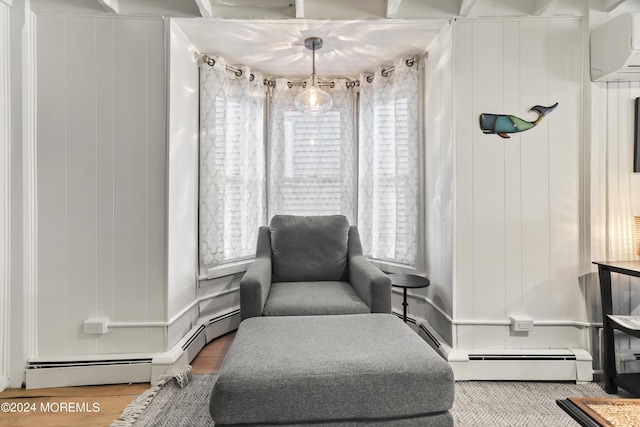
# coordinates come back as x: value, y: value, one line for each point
x: 392, y: 267
x: 242, y: 266
x: 227, y: 269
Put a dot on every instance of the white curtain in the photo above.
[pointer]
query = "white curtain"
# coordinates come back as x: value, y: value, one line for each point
x: 389, y: 165
x: 312, y: 158
x: 232, y: 165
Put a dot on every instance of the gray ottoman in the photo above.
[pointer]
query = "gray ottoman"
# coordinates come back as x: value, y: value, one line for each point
x: 351, y: 370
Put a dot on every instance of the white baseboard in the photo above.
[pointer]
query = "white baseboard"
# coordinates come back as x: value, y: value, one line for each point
x: 120, y: 369
x: 4, y: 383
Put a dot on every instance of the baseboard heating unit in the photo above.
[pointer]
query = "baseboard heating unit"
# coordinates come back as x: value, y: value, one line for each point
x: 128, y: 368
x: 627, y: 361
x: 42, y: 374
x: 512, y: 364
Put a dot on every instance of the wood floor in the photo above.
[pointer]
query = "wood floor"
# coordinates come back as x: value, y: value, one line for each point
x: 94, y: 406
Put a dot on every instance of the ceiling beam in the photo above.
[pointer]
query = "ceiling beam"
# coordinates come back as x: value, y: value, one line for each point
x: 540, y: 7
x: 204, y: 6
x: 392, y: 8
x: 110, y: 6
x: 466, y: 6
x: 299, y: 5
x: 609, y: 5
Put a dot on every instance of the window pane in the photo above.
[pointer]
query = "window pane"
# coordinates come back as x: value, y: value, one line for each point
x: 389, y: 167
x: 311, y: 184
x: 232, y: 168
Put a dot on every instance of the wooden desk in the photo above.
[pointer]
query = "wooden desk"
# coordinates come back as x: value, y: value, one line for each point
x: 613, y: 380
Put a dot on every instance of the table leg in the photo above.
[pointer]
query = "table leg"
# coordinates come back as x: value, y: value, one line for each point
x: 608, y: 352
x: 404, y: 305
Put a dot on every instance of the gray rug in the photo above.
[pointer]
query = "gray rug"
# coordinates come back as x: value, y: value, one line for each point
x: 477, y: 404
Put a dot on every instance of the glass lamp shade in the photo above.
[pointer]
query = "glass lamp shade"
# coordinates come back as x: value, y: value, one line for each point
x: 313, y: 101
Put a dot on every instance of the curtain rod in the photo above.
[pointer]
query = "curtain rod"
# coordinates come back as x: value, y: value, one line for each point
x: 237, y: 71
x: 386, y: 71
x: 290, y: 84
x: 271, y: 83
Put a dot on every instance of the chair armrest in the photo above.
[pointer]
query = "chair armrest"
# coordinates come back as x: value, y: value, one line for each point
x: 371, y: 284
x: 254, y: 288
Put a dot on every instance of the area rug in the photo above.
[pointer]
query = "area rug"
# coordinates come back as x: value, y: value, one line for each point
x: 517, y: 404
x: 476, y: 404
x: 610, y: 412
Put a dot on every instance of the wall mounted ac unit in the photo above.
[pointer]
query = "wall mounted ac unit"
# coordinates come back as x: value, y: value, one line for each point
x: 615, y: 50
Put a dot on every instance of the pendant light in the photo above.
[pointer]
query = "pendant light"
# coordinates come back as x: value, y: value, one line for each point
x: 313, y: 101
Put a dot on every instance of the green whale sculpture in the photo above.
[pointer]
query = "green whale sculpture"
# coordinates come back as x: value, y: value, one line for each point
x: 502, y: 124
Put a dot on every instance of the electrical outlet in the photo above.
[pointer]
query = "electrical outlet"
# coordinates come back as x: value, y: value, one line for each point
x: 96, y: 326
x: 521, y: 323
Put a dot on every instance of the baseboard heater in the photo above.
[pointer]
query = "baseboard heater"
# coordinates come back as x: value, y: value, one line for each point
x: 119, y: 369
x: 525, y: 365
x: 208, y: 329
x: 79, y: 363
x: 410, y: 319
x: 628, y: 361
x: 43, y: 374
x: 434, y: 341
x: 521, y: 357
x: 509, y: 364
x: 193, y: 337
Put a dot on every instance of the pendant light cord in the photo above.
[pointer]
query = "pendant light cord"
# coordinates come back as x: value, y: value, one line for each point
x: 313, y: 62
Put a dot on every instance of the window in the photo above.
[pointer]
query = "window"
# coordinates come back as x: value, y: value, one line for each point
x: 388, y: 182
x: 315, y: 166
x: 311, y: 178
x: 311, y: 158
x: 232, y: 166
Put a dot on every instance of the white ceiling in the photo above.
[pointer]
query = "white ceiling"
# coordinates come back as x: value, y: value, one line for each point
x: 358, y: 35
x: 276, y: 47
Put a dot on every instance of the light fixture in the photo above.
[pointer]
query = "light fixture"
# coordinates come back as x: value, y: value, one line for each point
x: 636, y: 233
x: 313, y: 101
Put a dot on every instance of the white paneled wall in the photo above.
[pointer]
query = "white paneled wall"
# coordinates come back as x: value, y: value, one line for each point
x: 615, y: 187
x: 101, y: 183
x: 5, y: 159
x: 615, y: 191
x: 439, y: 147
x: 517, y: 213
x: 184, y: 82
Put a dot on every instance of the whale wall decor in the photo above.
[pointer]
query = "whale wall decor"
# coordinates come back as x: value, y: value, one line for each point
x: 503, y: 124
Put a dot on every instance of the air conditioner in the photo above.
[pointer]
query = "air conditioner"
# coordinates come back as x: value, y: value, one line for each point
x: 615, y: 50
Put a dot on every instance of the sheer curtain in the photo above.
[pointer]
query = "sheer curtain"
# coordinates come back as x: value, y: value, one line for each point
x: 389, y: 165
x: 312, y: 158
x: 232, y: 164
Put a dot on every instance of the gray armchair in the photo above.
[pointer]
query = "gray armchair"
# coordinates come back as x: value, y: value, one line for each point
x: 312, y: 265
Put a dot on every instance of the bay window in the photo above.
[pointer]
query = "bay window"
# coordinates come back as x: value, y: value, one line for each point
x: 364, y: 166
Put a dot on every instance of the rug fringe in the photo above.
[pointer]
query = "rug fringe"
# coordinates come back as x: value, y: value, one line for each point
x: 133, y: 410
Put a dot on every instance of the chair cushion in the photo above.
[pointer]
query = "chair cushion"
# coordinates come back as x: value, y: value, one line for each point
x: 309, y: 248
x: 313, y: 298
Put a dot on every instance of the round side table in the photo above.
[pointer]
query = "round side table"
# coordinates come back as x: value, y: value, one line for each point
x: 406, y: 281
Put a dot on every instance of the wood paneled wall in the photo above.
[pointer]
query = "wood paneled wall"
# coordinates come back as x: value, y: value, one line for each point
x: 184, y: 126
x: 439, y: 150
x: 517, y: 240
x: 101, y: 183
x: 615, y: 191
